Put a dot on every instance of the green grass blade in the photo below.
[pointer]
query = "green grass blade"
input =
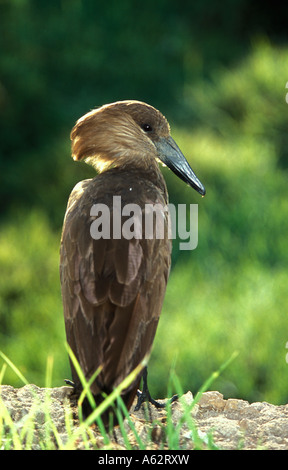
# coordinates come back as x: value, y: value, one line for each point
x: 7, y: 420
x: 49, y: 371
x: 213, y: 377
x: 116, y: 392
x: 84, y: 383
x: 2, y: 373
x: 130, y: 423
x: 14, y: 368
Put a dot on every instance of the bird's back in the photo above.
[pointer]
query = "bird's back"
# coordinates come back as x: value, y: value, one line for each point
x: 113, y: 288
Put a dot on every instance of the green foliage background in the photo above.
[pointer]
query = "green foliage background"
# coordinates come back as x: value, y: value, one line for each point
x: 219, y: 73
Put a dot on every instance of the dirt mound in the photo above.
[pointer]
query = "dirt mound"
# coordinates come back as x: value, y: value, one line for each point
x: 214, y: 421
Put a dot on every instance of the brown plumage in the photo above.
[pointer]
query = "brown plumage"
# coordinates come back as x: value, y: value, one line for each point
x: 113, y: 289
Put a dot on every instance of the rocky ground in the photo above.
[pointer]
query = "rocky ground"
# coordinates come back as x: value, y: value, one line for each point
x: 227, y: 424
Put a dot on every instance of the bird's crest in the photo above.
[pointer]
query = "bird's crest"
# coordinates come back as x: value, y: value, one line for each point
x: 117, y: 133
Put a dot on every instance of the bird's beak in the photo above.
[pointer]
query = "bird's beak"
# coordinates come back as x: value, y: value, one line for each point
x: 170, y: 154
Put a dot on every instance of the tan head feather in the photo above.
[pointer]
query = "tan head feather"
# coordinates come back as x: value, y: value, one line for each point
x: 113, y: 134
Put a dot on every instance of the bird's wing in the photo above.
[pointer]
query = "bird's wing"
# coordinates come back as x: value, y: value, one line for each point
x: 112, y: 292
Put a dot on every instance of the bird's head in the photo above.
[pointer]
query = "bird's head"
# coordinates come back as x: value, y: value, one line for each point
x: 129, y: 131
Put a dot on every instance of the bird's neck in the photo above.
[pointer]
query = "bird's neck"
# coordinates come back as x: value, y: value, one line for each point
x: 150, y: 172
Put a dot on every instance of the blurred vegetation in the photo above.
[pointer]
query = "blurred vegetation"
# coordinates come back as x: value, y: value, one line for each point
x: 219, y: 73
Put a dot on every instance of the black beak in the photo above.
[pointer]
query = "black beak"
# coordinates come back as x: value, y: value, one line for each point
x: 170, y: 154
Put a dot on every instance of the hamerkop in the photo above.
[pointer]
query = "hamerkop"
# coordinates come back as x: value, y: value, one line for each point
x: 113, y: 286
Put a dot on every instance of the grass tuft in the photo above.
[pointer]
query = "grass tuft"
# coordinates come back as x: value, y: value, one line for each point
x: 37, y: 429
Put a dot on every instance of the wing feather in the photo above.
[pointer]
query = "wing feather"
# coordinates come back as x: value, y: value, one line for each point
x: 112, y: 290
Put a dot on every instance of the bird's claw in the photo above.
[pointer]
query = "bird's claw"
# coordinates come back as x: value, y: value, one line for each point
x: 144, y: 396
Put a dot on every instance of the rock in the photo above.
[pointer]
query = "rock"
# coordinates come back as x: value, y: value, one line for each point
x: 44, y: 415
x: 42, y: 410
x: 238, y: 424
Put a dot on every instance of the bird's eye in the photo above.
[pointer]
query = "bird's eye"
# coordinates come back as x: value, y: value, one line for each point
x: 147, y: 128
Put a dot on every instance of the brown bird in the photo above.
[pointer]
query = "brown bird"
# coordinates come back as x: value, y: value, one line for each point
x: 113, y: 287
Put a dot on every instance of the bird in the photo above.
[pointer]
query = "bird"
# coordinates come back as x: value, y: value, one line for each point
x: 113, y: 287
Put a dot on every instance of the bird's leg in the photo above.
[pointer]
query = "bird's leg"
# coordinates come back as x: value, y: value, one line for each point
x: 145, y: 394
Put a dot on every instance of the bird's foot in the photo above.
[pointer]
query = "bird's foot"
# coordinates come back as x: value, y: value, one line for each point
x: 145, y: 395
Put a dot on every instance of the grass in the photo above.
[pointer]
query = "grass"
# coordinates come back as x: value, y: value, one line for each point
x: 26, y: 434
